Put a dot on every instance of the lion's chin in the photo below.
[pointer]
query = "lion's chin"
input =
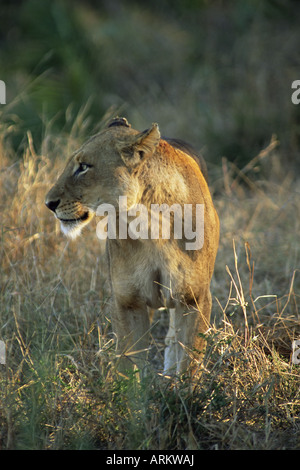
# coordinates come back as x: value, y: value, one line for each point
x: 72, y: 227
x: 71, y: 230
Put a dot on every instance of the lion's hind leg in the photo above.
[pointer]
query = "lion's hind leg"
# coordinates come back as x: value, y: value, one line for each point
x: 185, y: 342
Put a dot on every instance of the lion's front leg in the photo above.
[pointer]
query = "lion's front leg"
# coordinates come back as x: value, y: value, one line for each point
x: 132, y: 329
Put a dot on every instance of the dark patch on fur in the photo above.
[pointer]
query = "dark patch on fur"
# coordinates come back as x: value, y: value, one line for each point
x: 119, y: 121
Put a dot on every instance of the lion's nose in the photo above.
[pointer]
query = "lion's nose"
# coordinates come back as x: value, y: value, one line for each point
x: 52, y: 205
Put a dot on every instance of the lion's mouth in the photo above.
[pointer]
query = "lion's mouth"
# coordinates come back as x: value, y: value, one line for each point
x: 72, y: 227
x: 83, y: 218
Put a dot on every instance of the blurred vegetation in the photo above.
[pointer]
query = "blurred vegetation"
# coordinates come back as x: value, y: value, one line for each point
x: 216, y: 73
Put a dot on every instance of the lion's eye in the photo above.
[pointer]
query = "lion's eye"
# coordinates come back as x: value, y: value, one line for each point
x: 83, y: 168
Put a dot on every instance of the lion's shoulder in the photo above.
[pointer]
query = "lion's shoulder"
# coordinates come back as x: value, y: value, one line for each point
x: 189, y: 150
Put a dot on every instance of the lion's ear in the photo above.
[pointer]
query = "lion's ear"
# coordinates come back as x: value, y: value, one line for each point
x: 140, y: 146
x: 148, y: 140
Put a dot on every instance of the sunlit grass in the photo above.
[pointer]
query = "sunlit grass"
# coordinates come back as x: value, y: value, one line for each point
x: 59, y: 388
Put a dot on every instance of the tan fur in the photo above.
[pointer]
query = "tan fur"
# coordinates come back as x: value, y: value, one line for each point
x: 145, y: 273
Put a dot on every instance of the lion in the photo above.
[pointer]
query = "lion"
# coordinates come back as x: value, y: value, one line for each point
x: 147, y: 273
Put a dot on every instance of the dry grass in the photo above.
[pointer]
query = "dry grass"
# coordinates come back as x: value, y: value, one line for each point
x: 59, y: 389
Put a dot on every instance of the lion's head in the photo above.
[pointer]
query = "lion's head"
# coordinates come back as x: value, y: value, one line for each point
x: 99, y: 172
